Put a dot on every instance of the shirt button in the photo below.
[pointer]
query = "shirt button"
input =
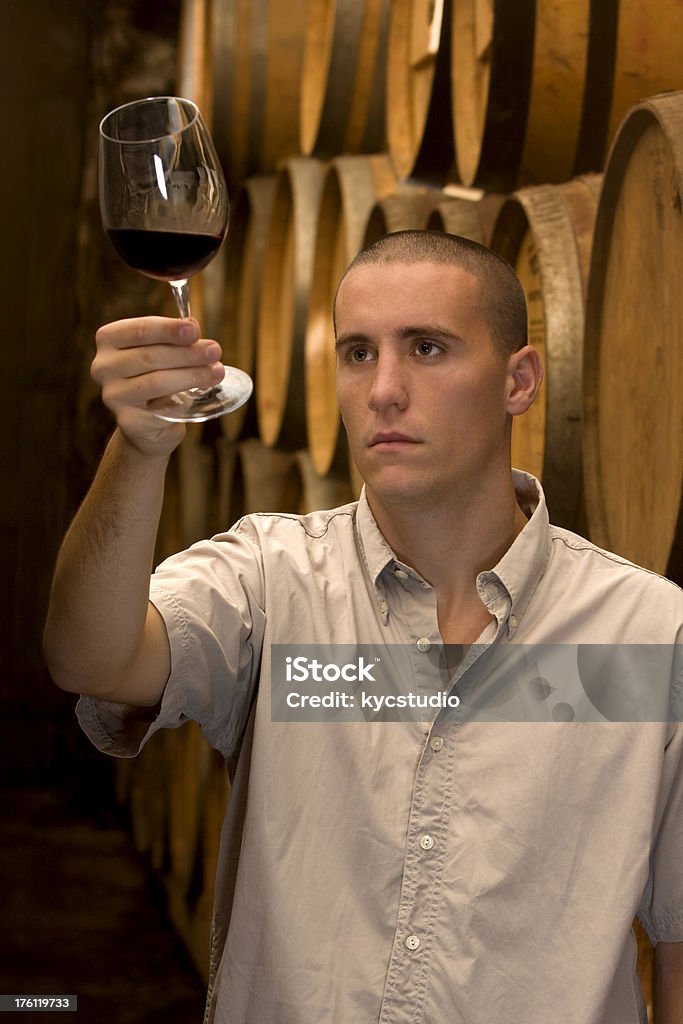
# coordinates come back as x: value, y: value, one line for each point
x: 436, y: 743
x: 423, y: 644
x: 426, y: 842
x: 512, y: 621
x: 400, y: 574
x: 413, y: 942
x: 383, y: 607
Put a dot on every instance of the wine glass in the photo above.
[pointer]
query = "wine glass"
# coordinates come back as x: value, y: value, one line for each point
x: 165, y: 208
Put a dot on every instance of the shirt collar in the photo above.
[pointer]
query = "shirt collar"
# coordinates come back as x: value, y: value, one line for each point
x: 519, y: 570
x: 376, y: 551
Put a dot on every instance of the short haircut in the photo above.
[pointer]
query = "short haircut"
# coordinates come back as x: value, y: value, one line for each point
x: 503, y: 303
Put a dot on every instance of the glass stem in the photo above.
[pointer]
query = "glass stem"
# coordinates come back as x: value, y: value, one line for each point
x: 182, y: 296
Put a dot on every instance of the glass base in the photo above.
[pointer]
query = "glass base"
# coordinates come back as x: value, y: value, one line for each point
x: 197, y: 405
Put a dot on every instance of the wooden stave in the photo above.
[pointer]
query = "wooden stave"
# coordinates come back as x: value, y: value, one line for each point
x: 195, y: 67
x: 500, y: 131
x: 271, y: 479
x: 408, y: 208
x: 287, y: 274
x: 148, y: 803
x: 647, y: 55
x: 257, y: 55
x: 321, y: 491
x: 470, y: 218
x: 352, y: 186
x: 342, y: 106
x: 663, y: 113
x: 242, y: 274
x: 187, y: 756
x: 559, y: 69
x: 419, y: 130
x: 560, y: 219
x: 196, y: 478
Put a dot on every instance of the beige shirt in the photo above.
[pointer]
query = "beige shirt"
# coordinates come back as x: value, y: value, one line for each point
x: 474, y: 872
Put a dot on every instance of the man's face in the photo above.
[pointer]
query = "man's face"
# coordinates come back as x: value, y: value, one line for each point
x: 421, y: 389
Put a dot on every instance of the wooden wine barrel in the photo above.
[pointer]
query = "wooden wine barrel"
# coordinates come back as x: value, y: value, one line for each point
x: 148, y: 803
x: 187, y: 767
x: 213, y: 812
x: 633, y: 357
x: 646, y: 966
x: 230, y: 500
x: 194, y: 78
x: 343, y: 90
x: 409, y: 208
x: 244, y: 255
x: 271, y: 478
x: 545, y: 232
x: 190, y: 876
x: 491, y: 62
x: 470, y: 217
x: 283, y: 312
x: 419, y: 126
x: 539, y: 88
x: 256, y: 56
x: 557, y: 90
x: 318, y: 491
x: 648, y: 54
x: 352, y: 187
x: 169, y: 536
x: 196, y: 480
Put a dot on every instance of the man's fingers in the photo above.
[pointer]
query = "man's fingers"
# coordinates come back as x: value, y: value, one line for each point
x: 112, y: 363
x: 146, y: 358
x: 139, y: 390
x: 137, y: 332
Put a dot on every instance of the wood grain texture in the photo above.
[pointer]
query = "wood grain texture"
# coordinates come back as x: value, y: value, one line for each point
x: 633, y: 386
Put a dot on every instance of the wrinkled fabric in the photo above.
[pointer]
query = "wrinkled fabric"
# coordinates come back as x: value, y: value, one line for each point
x: 421, y: 871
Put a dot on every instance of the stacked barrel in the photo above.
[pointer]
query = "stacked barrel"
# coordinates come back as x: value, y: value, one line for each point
x: 552, y: 132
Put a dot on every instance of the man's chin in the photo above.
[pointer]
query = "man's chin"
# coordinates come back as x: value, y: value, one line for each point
x: 397, y: 488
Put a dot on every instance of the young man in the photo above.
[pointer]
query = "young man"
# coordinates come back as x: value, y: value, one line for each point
x: 437, y: 866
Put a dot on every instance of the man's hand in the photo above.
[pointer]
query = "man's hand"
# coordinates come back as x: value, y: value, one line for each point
x: 147, y: 358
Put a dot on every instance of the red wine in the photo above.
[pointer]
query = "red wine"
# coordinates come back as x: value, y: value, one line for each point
x: 165, y: 255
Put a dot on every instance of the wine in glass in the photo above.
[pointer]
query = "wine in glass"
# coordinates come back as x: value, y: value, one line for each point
x: 165, y: 208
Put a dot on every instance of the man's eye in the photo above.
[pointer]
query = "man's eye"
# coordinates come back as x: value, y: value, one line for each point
x: 358, y: 355
x: 427, y: 348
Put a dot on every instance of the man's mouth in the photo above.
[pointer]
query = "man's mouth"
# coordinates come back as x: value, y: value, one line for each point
x: 391, y: 438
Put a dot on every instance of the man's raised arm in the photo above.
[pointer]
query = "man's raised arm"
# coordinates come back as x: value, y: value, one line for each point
x: 102, y: 636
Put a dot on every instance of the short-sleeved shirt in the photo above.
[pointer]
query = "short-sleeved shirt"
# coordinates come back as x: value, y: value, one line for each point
x: 427, y: 867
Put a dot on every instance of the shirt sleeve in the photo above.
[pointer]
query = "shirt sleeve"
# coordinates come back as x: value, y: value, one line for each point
x: 211, y: 598
x: 661, y: 911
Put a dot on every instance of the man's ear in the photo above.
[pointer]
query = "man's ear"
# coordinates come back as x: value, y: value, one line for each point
x: 525, y: 373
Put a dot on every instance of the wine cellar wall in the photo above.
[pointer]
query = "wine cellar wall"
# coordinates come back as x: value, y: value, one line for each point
x: 551, y: 132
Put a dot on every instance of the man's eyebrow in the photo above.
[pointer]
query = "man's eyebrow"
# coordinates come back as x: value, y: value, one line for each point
x: 355, y: 338
x: 430, y: 330
x: 412, y: 331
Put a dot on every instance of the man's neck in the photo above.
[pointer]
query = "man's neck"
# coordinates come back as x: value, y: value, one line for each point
x: 450, y: 543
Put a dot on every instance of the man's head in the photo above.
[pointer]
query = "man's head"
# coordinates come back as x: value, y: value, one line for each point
x: 432, y: 364
x: 502, y: 300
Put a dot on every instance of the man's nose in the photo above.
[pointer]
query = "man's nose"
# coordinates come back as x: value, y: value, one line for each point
x: 389, y: 386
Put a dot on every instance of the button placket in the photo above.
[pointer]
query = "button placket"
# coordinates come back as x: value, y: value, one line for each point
x: 410, y: 963
x: 418, y: 607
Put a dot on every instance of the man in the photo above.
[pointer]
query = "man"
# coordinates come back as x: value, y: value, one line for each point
x: 432, y: 867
